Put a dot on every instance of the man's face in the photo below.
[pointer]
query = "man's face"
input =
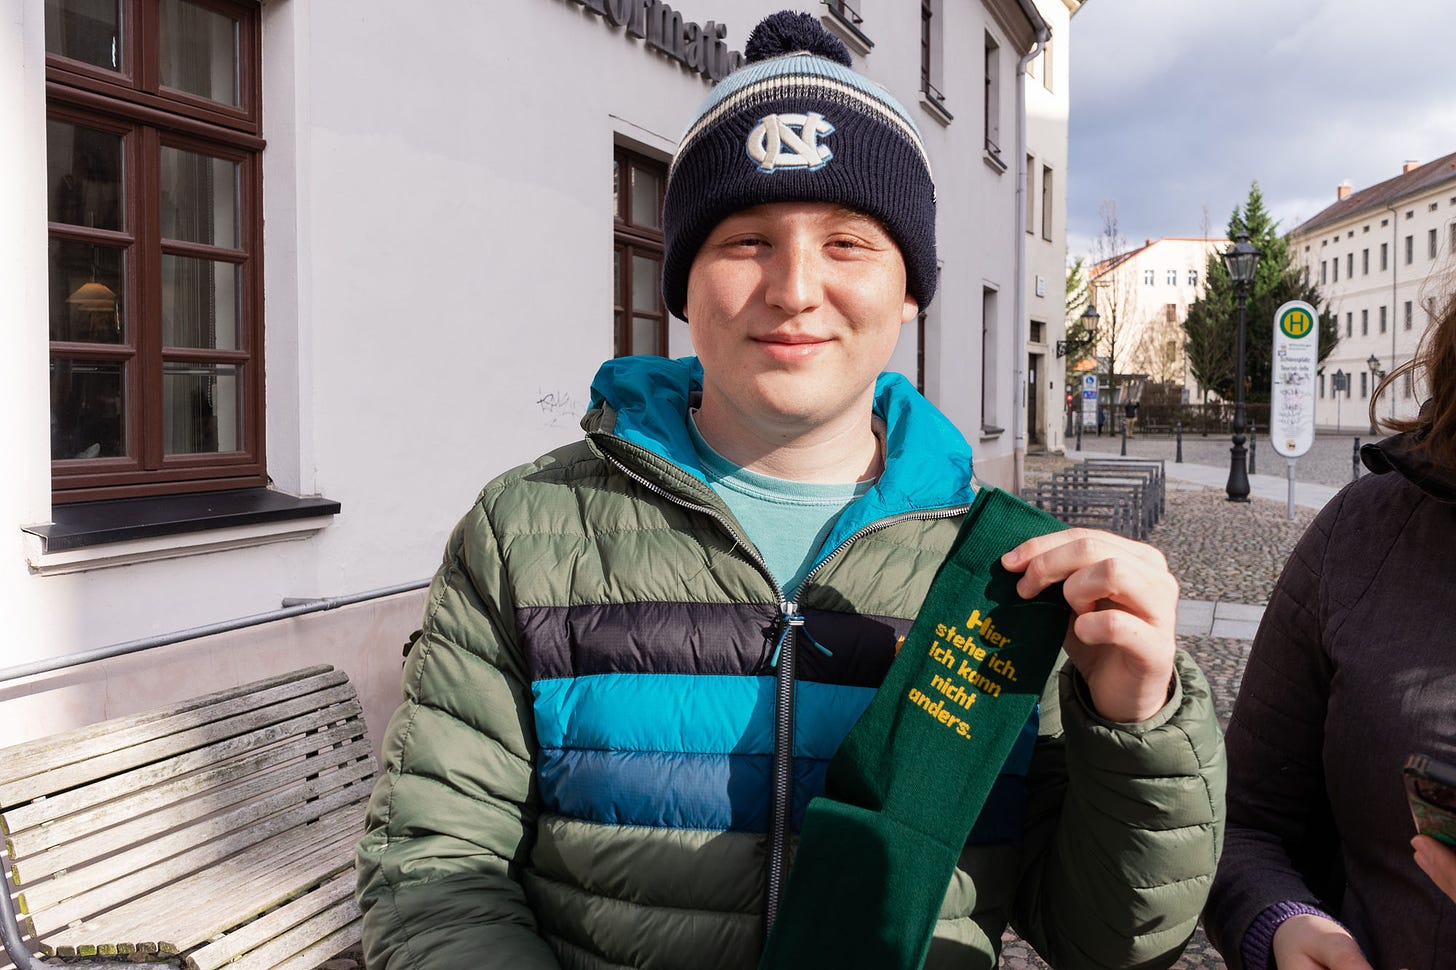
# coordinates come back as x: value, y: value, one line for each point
x: 794, y: 309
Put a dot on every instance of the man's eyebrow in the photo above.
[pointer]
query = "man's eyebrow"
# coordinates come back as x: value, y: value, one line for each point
x: 845, y: 211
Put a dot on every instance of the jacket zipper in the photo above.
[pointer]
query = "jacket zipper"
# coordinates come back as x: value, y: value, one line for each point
x: 780, y: 803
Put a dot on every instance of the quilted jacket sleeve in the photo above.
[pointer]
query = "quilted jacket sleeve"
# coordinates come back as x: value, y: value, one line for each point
x: 1124, y: 827
x: 1280, y: 834
x: 453, y: 815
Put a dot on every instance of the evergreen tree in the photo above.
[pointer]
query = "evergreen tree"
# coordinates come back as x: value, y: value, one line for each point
x: 1208, y: 334
x: 1211, y: 326
x: 1079, y: 341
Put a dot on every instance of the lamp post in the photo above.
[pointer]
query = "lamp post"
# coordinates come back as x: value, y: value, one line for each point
x: 1340, y: 383
x: 1373, y: 364
x: 1241, y: 259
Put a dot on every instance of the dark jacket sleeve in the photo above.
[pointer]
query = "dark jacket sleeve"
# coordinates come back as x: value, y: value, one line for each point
x: 452, y: 817
x: 1124, y: 827
x: 1281, y: 838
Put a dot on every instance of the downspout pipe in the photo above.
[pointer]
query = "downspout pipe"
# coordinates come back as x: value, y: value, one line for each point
x: 1018, y: 416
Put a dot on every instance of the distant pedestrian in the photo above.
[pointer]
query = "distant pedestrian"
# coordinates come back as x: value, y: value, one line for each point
x: 1352, y: 670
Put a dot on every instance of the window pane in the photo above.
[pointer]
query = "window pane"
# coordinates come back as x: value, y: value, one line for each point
x: 199, y: 51
x: 86, y: 290
x: 616, y: 189
x: 201, y: 303
x: 83, y: 176
x: 646, y: 283
x: 200, y: 198
x: 85, y: 30
x: 645, y: 189
x: 87, y: 408
x: 644, y: 336
x: 201, y: 408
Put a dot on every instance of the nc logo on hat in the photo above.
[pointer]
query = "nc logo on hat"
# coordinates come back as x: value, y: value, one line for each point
x: 790, y: 141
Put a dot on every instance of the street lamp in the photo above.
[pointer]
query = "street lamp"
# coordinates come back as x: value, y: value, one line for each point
x: 1089, y: 320
x: 1373, y: 364
x: 1241, y: 259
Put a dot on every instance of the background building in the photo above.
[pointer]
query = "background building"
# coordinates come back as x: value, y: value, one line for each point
x: 1142, y: 297
x: 287, y: 282
x: 1044, y: 231
x: 1371, y: 254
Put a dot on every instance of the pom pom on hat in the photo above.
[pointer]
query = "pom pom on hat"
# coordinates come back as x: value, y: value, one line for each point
x: 791, y: 31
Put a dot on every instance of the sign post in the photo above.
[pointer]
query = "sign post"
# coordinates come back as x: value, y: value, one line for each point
x: 1089, y: 399
x: 1291, y: 398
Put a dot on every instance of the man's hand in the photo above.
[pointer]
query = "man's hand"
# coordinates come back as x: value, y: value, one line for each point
x: 1125, y: 605
x: 1309, y: 942
x: 1437, y: 861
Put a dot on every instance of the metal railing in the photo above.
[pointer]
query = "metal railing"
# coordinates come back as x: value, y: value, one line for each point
x: 291, y: 608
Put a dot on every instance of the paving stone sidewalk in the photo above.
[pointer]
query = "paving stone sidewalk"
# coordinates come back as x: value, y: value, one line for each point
x: 1226, y: 557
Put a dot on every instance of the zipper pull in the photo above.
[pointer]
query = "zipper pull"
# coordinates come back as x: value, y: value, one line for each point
x: 790, y: 618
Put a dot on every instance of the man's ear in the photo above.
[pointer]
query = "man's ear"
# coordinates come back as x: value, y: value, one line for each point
x: 911, y: 310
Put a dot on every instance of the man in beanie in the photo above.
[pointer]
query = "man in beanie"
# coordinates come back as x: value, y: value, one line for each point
x: 644, y: 650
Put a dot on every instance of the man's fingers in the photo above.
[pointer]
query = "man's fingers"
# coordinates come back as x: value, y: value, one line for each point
x: 1053, y: 558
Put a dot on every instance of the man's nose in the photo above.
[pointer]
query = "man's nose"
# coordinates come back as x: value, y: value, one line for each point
x: 794, y: 278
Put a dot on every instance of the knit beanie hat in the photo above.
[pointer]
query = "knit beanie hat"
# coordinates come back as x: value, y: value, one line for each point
x: 796, y: 124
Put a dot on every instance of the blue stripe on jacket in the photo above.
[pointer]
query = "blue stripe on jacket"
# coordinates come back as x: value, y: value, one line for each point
x: 693, y: 751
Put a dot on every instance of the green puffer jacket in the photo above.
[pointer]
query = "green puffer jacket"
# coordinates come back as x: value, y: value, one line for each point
x: 583, y: 771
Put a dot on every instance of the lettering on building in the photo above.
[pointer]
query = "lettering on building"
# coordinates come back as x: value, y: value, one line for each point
x: 698, y: 47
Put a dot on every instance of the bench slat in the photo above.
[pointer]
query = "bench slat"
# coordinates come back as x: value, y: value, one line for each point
x: 255, y: 886
x: 287, y: 943
x: 45, y: 754
x: 180, y: 914
x: 314, y: 956
x: 56, y: 903
x: 200, y: 819
x: 272, y: 719
x: 339, y: 891
x: 140, y: 794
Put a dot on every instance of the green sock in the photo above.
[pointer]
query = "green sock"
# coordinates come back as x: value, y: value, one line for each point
x: 902, y: 793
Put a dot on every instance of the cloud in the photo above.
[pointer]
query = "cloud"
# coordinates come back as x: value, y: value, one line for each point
x: 1178, y: 105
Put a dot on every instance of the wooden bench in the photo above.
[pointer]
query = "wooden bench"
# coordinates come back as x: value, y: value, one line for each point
x: 222, y: 829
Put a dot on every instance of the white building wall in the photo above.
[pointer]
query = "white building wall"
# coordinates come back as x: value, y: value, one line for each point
x: 1356, y: 299
x: 1166, y: 272
x: 1046, y: 254
x: 438, y: 291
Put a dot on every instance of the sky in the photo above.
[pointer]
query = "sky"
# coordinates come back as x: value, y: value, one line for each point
x: 1178, y: 105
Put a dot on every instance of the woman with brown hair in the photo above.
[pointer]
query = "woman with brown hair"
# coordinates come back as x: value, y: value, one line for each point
x: 1353, y: 669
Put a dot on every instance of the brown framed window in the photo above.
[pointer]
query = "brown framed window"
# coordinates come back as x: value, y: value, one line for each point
x: 639, y: 317
x: 153, y: 168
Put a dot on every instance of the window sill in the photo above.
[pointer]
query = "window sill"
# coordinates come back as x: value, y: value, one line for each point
x: 936, y: 109
x: 94, y: 535
x: 991, y: 433
x: 994, y: 161
x: 854, y: 38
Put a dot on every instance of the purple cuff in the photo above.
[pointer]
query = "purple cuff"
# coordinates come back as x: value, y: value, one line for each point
x: 1258, y: 946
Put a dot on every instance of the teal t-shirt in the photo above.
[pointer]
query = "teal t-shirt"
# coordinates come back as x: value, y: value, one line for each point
x: 786, y: 520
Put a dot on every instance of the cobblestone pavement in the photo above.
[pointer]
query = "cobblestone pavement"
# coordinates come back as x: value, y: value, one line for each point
x: 1219, y: 551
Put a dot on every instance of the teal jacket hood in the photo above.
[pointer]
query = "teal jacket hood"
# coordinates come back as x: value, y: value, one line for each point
x: 927, y: 459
